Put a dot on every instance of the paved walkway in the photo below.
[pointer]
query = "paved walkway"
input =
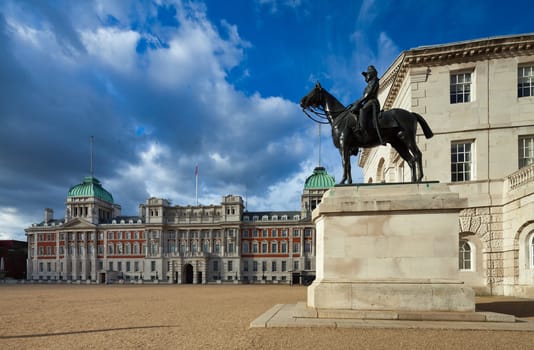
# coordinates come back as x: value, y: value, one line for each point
x: 298, y: 315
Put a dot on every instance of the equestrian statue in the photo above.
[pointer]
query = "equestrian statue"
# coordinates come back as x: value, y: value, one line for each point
x: 363, y: 124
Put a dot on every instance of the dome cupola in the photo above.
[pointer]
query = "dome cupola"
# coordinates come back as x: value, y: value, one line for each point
x: 319, y: 179
x: 91, y: 187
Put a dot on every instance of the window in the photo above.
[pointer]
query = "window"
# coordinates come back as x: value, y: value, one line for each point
x: 307, y: 265
x: 230, y: 266
x: 273, y: 266
x: 110, y: 249
x: 274, y: 233
x: 531, y: 251
x: 152, y: 266
x: 110, y: 266
x: 264, y: 233
x: 245, y: 266
x: 296, y: 233
x: 307, y: 232
x: 296, y: 247
x: 526, y: 150
x: 274, y: 247
x: 245, y: 247
x: 264, y: 266
x: 307, y: 247
x: 461, y: 161
x: 254, y: 266
x: 136, y: 266
x: 254, y: 247
x: 255, y: 233
x: 119, y: 265
x: 230, y: 247
x: 215, y: 265
x: 465, y: 256
x: 283, y: 247
x: 284, y: 232
x: 295, y: 265
x: 461, y: 87
x: 245, y: 233
x: 264, y: 247
x: 284, y: 266
x: 525, y: 81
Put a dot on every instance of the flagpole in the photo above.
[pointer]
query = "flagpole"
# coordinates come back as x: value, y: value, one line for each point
x: 196, y: 184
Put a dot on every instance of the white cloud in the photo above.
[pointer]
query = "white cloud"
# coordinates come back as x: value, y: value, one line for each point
x: 113, y: 47
x: 12, y: 222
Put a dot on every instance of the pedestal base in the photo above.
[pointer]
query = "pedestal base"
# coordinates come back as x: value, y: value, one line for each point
x: 389, y: 247
x: 392, y: 295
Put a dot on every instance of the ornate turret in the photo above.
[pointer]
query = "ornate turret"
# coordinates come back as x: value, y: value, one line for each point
x: 314, y: 187
x: 91, y: 201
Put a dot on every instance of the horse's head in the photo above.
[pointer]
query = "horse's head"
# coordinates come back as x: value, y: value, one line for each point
x: 314, y: 99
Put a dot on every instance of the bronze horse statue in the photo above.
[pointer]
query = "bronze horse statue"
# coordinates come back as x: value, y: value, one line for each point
x: 398, y: 127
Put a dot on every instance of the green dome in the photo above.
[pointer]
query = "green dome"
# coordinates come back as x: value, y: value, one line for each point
x: 319, y: 179
x: 90, y: 187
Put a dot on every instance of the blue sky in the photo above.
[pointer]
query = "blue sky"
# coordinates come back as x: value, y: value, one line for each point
x: 165, y: 85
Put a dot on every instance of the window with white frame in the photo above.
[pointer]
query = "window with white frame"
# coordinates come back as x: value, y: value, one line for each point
x: 526, y: 150
x: 461, y: 161
x: 465, y: 256
x: 525, y: 81
x: 461, y: 87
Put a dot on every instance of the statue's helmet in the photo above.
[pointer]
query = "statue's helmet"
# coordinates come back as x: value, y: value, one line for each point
x: 371, y: 73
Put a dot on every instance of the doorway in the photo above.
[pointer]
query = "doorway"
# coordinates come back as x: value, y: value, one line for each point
x: 188, y: 274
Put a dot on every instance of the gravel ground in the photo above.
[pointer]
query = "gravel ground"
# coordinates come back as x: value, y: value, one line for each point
x: 207, y: 317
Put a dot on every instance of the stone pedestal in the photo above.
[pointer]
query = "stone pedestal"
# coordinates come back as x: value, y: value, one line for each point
x: 389, y: 247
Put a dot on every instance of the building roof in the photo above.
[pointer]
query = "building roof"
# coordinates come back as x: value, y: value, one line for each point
x: 90, y: 187
x: 319, y: 179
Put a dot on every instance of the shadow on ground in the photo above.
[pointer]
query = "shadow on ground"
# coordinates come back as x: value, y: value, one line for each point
x: 518, y: 308
x: 80, y: 332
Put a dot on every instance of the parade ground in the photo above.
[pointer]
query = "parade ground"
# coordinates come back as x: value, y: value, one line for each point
x: 43, y: 316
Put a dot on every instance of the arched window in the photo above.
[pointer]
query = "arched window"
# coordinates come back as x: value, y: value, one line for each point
x: 380, y: 171
x: 465, y: 256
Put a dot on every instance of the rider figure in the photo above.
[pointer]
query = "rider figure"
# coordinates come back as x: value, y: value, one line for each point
x: 368, y: 105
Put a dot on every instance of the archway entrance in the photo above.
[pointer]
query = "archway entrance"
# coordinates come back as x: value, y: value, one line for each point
x: 188, y: 274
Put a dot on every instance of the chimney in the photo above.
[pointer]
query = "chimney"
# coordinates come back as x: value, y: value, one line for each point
x: 49, y: 215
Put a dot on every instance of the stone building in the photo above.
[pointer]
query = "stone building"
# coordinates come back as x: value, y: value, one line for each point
x: 174, y: 244
x: 478, y: 97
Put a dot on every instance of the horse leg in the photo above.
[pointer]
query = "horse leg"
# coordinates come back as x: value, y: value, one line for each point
x: 419, y: 160
x: 348, y: 169
x: 344, y: 178
x: 345, y: 151
x: 401, y: 147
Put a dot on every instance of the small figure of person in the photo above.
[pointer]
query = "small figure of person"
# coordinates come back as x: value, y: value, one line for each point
x: 368, y: 105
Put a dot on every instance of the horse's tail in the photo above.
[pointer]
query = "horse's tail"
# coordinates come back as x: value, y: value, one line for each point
x: 426, y: 129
